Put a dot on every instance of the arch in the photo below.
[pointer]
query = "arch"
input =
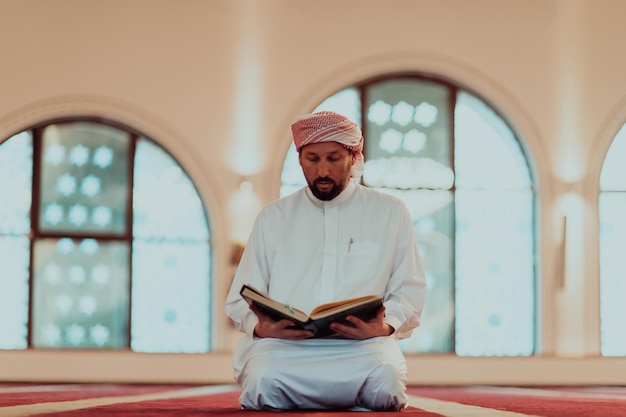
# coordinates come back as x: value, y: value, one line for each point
x: 126, y: 117
x: 149, y: 125
x: 590, y: 190
x: 444, y: 67
x: 494, y: 94
x: 118, y: 111
x: 612, y: 127
x: 483, y: 263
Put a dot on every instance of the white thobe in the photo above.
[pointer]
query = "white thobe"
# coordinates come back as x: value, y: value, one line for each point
x: 304, y: 252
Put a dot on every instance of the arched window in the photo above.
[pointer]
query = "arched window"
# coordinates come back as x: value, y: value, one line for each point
x: 104, y: 243
x: 612, y: 206
x: 463, y: 174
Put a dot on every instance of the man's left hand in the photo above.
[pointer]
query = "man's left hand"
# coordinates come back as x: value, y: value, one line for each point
x: 364, y: 329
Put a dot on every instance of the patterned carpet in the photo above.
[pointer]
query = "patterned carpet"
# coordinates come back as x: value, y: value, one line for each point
x: 54, y: 400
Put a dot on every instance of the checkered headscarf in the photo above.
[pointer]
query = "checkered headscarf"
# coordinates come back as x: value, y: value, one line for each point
x: 327, y: 126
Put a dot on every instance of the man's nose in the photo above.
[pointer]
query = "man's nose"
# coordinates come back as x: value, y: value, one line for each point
x: 323, y: 169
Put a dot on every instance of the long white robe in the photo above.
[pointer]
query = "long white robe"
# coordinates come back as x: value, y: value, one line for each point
x: 304, y: 252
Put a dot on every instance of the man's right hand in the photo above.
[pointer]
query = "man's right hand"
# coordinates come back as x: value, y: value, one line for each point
x: 266, y: 327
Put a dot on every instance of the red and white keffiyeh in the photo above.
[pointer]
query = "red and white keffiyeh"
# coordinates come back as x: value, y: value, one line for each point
x: 327, y: 126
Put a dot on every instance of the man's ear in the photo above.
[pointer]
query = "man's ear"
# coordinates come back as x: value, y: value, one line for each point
x: 353, y: 155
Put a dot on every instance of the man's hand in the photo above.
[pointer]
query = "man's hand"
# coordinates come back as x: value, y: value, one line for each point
x: 364, y: 329
x: 267, y: 327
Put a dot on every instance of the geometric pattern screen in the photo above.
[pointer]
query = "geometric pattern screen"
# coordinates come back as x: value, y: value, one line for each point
x: 119, y: 240
x: 612, y: 206
x: 466, y: 181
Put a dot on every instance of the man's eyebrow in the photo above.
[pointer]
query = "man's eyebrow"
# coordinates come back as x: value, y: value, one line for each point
x: 313, y: 153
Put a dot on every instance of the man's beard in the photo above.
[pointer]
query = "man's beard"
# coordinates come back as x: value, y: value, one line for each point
x: 326, y: 195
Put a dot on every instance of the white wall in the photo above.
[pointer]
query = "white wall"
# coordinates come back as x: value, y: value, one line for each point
x: 218, y: 82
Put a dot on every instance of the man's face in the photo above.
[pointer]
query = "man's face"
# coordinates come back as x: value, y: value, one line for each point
x: 326, y: 167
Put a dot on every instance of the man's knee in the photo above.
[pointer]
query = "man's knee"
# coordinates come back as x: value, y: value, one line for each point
x: 385, y: 389
x: 262, y: 387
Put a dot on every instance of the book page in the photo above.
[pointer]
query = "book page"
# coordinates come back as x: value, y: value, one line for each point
x: 336, y: 306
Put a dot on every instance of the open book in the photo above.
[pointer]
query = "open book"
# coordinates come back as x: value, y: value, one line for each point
x: 320, y: 318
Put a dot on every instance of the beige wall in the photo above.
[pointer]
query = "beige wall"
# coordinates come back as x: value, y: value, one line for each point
x: 217, y: 83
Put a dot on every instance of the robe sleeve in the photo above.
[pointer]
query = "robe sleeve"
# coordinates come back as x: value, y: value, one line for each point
x: 253, y: 270
x: 405, y: 292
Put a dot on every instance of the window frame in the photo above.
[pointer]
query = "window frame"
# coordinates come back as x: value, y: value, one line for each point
x: 35, y: 233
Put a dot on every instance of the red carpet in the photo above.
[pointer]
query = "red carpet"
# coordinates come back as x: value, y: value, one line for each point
x: 20, y: 400
x: 544, y: 402
x: 25, y: 394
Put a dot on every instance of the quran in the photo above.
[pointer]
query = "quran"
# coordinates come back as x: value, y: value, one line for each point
x: 318, y: 321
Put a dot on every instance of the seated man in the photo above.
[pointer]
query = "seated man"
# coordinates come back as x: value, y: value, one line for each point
x: 332, y: 240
